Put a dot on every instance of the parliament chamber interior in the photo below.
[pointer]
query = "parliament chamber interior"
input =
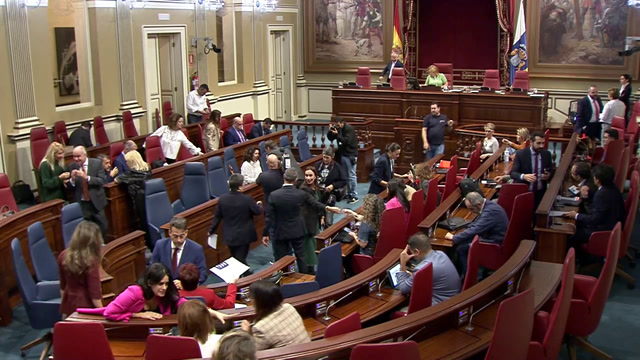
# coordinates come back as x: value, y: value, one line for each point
x: 319, y: 179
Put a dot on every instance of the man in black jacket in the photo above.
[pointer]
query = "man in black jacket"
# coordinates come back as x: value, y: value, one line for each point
x: 388, y: 70
x: 284, y: 223
x: 81, y: 136
x: 533, y: 166
x: 347, y: 140
x: 237, y: 210
x: 588, y: 115
x: 625, y: 94
x: 271, y: 179
x: 261, y: 128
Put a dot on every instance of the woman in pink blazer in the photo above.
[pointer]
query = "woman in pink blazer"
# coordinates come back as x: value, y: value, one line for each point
x: 396, y: 197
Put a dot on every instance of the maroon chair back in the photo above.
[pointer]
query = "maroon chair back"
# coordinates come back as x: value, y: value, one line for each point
x: 447, y: 70
x: 619, y: 122
x: 431, y: 201
x: 160, y: 347
x: 99, y: 131
x: 224, y: 126
x: 598, y: 155
x: 521, y: 80
x: 422, y: 289
x: 154, y: 150
x: 167, y: 111
x: 513, y: 327
x: 415, y: 214
x: 630, y: 220
x: 80, y: 341
x: 247, y: 123
x: 406, y: 350
x: 60, y: 132
x: 39, y: 142
x: 158, y: 120
x: 344, y: 325
x: 360, y: 263
x: 520, y: 225
x: 491, y: 79
x: 115, y: 149
x: 183, y: 153
x: 398, y: 80
x: 450, y: 179
x: 474, y: 162
x: 128, y: 125
x: 392, y: 223
x: 549, y: 327
x: 508, y: 193
x: 621, y: 174
x: 546, y: 139
x: 633, y: 184
x: 6, y: 195
x: 473, y: 263
x: 613, y: 153
x: 363, y: 77
x: 590, y: 294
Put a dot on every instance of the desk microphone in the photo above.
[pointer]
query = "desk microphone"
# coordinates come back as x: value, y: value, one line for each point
x: 379, y: 293
x: 406, y: 111
x: 469, y: 326
x: 326, y: 313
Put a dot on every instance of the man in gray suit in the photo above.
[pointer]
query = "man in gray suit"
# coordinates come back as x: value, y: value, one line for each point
x: 87, y: 181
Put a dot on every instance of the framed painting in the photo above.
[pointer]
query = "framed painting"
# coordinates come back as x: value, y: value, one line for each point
x: 342, y: 35
x: 581, y: 38
x: 67, y: 61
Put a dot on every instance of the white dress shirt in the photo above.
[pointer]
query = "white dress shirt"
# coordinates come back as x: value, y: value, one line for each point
x: 170, y: 140
x: 196, y: 103
x: 612, y: 108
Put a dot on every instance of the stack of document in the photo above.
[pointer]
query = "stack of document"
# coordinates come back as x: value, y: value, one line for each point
x: 229, y: 269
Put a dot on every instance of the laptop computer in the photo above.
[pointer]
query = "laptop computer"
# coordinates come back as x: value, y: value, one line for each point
x: 392, y: 275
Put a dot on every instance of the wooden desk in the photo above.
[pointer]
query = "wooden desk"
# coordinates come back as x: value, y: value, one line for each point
x: 15, y: 226
x: 119, y: 213
x: 283, y: 265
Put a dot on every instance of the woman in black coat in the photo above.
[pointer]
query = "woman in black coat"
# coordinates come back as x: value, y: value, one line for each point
x: 383, y: 171
x: 313, y: 219
x: 134, y: 179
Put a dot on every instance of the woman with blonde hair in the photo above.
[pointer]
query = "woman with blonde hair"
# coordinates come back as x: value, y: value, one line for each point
x: 195, y: 321
x: 522, y: 135
x: 489, y: 144
x: 367, y: 237
x: 171, y: 137
x: 134, y: 179
x: 53, y: 176
x: 79, y: 265
x: 435, y: 77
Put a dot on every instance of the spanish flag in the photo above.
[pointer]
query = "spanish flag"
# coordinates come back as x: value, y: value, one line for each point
x: 397, y: 31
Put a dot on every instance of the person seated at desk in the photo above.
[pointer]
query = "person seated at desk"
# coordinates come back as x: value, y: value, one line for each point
x: 435, y: 77
x: 396, y: 197
x: 276, y: 324
x: 194, y: 321
x: 383, y: 170
x: 424, y: 174
x: 171, y: 137
x: 53, y: 176
x: 261, y: 128
x: 79, y: 266
x: 177, y: 250
x: 489, y: 144
x: 236, y: 344
x: 120, y: 162
x: 109, y: 172
x: 188, y: 275
x: 490, y: 225
x: 235, y: 134
x: 533, y: 166
x: 81, y: 136
x: 581, y: 174
x: 522, y: 136
x: 607, y: 207
x: 367, y: 235
x: 251, y: 168
x: 446, y: 282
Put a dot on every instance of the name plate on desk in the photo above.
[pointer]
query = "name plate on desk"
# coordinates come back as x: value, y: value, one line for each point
x: 321, y: 307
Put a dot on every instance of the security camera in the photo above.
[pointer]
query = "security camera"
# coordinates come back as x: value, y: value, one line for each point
x: 630, y: 47
x: 210, y: 46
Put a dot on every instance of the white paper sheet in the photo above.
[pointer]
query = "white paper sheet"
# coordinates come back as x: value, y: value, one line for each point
x: 213, y: 241
x: 229, y: 269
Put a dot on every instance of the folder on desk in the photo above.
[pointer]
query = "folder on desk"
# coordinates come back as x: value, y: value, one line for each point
x: 554, y: 213
x: 229, y: 269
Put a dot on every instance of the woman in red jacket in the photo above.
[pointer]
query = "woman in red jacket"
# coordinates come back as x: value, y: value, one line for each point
x: 188, y: 274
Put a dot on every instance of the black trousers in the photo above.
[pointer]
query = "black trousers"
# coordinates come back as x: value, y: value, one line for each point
x: 240, y: 252
x: 92, y: 214
x: 281, y: 248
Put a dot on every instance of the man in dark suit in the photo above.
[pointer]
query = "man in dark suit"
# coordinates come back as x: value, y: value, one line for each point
x: 625, y: 94
x: 271, y: 179
x: 177, y: 250
x: 588, y: 116
x: 237, y: 210
x: 284, y: 223
x: 607, y: 208
x: 533, y: 166
x: 347, y: 139
x: 388, y: 70
x: 120, y: 163
x: 261, y: 128
x: 585, y: 188
x: 81, y: 136
x: 235, y: 134
x: 87, y: 181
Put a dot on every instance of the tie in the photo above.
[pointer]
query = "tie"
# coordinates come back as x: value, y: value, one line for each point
x: 242, y: 139
x: 85, y: 187
x: 536, y: 169
x: 174, y: 260
x: 596, y: 108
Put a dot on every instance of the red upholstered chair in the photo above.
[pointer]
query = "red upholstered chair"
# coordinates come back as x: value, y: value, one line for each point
x: 247, y: 123
x: 80, y: 341
x: 493, y: 256
x: 392, y: 223
x: 613, y: 153
x: 450, y: 180
x: 512, y: 329
x: 183, y: 153
x: 363, y: 77
x: 167, y: 111
x: 421, y: 291
x: 521, y: 80
x: 474, y: 164
x: 158, y: 120
x: 508, y: 193
x: 632, y: 189
x: 598, y: 155
x: 154, y: 150
x: 160, y: 347
x: 431, y: 200
x: 99, y: 131
x: 39, y: 142
x: 115, y: 149
x: 590, y: 295
x: 398, y: 79
x: 406, y: 350
x: 60, y: 132
x: 447, y: 70
x: 619, y: 122
x: 344, y: 325
x: 548, y: 328
x: 6, y: 195
x: 224, y: 126
x: 621, y: 174
x: 491, y: 79
x: 415, y: 214
x: 128, y: 125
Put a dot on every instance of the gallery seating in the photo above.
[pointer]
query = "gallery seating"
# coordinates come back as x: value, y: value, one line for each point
x: 343, y: 326
x: 421, y: 291
x: 128, y: 126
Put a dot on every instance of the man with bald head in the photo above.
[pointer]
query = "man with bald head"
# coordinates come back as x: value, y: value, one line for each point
x: 120, y: 163
x: 588, y: 114
x: 235, y: 134
x: 271, y: 179
x: 87, y: 181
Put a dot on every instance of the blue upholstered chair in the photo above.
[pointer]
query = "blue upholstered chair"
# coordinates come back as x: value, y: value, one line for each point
x: 295, y: 289
x: 44, y: 263
x: 195, y: 189
x: 329, y: 266
x: 41, y: 301
x: 303, y: 146
x: 159, y: 210
x: 71, y: 217
x: 284, y: 141
x: 217, y: 177
x: 230, y: 162
x: 263, y: 156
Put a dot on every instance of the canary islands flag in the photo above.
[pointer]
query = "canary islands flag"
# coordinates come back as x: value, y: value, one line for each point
x: 518, y: 59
